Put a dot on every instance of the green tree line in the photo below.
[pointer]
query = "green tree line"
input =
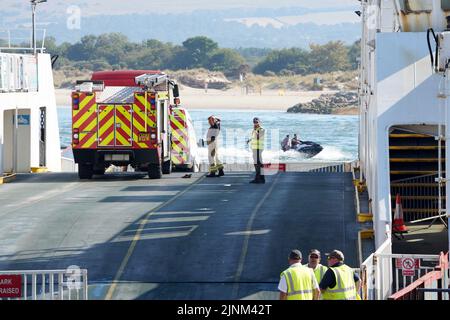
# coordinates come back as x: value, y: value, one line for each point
x: 115, y: 51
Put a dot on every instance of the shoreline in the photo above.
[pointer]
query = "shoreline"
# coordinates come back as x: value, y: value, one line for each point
x: 233, y: 99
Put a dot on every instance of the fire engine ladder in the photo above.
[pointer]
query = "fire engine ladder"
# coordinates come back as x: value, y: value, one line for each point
x: 151, y: 80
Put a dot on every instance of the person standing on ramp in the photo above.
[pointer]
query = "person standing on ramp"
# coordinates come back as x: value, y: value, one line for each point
x: 213, y: 147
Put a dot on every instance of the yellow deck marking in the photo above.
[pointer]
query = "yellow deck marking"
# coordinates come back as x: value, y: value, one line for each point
x: 137, y: 237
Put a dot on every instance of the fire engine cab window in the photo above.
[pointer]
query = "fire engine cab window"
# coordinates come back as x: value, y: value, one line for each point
x: 410, y: 6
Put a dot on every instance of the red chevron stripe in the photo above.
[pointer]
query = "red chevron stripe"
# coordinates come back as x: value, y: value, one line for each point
x: 107, y: 133
x: 85, y: 139
x: 139, y: 104
x: 106, y: 119
x: 137, y: 118
x: 88, y: 121
x: 180, y: 120
x: 152, y: 118
x: 122, y: 132
x: 122, y: 117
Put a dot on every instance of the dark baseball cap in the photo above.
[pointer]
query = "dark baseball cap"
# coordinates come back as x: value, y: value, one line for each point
x: 336, y: 254
x: 295, y: 255
x: 314, y: 251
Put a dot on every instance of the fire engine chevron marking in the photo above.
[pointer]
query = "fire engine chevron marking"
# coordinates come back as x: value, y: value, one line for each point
x: 83, y: 115
x: 87, y: 140
x: 106, y: 126
x: 177, y: 125
x: 90, y: 123
x: 144, y: 108
x: 87, y: 103
x: 123, y: 133
x: 178, y: 137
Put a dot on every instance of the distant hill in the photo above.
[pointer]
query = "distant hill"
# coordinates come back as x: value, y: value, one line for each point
x: 232, y: 28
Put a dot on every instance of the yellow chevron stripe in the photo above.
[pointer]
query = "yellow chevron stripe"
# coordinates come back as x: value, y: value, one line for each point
x: 105, y: 127
x: 85, y: 116
x: 179, y: 138
x: 175, y: 160
x: 92, y: 125
x: 180, y: 114
x: 86, y: 101
x: 124, y: 126
x: 107, y: 140
x: 138, y: 126
x: 122, y: 140
x: 143, y: 115
x: 178, y: 124
x: 148, y: 108
x: 177, y: 149
x: 90, y: 142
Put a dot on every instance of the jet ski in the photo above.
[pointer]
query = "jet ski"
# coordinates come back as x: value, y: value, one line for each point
x: 308, y: 148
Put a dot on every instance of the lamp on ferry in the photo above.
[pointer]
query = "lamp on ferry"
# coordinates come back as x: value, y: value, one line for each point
x: 34, y: 3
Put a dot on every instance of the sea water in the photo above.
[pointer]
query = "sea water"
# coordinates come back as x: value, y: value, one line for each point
x: 338, y: 134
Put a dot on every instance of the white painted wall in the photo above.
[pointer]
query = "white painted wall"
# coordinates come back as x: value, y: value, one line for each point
x: 406, y: 93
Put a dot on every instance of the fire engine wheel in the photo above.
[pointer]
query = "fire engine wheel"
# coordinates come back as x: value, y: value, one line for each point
x: 154, y: 171
x: 85, y: 171
x: 99, y: 171
x: 167, y: 167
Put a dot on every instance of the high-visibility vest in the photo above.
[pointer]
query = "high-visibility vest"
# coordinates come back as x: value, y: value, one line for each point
x: 345, y: 288
x: 299, y: 283
x: 319, y: 271
x: 258, y: 138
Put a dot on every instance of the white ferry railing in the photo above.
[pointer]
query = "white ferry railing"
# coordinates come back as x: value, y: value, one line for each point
x: 20, y: 40
x: 69, y: 284
x: 432, y: 286
x: 382, y: 273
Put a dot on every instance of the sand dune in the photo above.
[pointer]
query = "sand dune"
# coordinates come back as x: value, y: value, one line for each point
x: 230, y: 99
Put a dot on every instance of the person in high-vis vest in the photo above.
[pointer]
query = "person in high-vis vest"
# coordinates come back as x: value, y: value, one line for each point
x: 340, y: 282
x: 212, y: 140
x: 257, y: 145
x: 298, y: 282
x: 314, y: 264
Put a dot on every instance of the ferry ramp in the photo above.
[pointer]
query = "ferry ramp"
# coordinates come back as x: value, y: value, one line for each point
x: 198, y: 238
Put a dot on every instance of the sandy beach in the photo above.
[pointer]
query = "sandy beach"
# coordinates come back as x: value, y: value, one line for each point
x: 230, y: 99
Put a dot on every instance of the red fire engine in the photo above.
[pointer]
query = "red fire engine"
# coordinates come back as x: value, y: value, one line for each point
x: 122, y: 118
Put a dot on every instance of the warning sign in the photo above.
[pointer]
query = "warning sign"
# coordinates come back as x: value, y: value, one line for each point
x: 408, y: 266
x: 10, y: 286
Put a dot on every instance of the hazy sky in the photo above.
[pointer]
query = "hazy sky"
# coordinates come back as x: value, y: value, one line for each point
x: 92, y: 7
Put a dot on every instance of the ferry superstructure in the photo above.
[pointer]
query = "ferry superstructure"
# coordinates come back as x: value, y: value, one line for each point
x: 30, y: 135
x: 404, y: 92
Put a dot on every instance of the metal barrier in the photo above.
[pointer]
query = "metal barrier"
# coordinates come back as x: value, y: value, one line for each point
x: 69, y: 284
x: 420, y: 197
x: 432, y: 286
x: 343, y: 167
x: 382, y: 275
x: 375, y: 285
